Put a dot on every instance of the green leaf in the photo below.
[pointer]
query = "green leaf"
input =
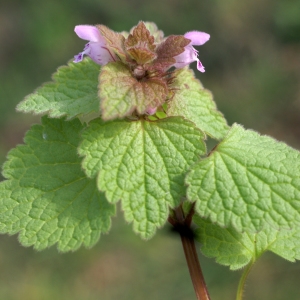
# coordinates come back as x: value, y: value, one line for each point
x: 248, y: 181
x: 121, y: 93
x: 73, y: 92
x: 236, y: 250
x: 143, y: 164
x: 47, y: 197
x: 196, y: 104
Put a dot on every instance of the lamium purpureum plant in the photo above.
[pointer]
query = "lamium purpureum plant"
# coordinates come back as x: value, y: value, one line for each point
x: 129, y: 123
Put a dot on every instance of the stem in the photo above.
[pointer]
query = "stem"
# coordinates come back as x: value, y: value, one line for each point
x: 241, y: 286
x: 194, y: 268
x: 182, y: 224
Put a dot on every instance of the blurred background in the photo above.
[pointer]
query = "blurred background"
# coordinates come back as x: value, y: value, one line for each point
x: 253, y: 69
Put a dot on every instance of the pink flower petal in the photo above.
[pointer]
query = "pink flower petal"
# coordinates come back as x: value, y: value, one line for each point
x: 185, y: 58
x: 96, y: 49
x: 200, y: 66
x: 78, y: 57
x: 100, y: 54
x: 198, y: 38
x: 151, y: 111
x: 89, y: 33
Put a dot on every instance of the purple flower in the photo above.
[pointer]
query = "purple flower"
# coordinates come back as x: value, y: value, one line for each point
x: 97, y: 48
x: 190, y: 54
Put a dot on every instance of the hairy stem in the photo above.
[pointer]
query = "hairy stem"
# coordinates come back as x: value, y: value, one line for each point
x: 240, y: 290
x: 182, y: 224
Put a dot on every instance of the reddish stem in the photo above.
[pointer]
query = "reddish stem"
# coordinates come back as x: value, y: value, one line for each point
x: 182, y: 224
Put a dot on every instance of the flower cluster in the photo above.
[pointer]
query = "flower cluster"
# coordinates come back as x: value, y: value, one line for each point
x: 146, y: 54
x: 98, y: 50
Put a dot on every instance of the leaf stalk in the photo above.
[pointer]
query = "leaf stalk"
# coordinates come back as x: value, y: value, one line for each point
x: 241, y: 286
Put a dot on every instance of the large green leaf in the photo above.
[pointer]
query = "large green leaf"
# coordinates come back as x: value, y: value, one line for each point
x: 248, y: 181
x: 196, y: 104
x: 73, y: 92
x: 235, y: 249
x: 143, y: 163
x: 47, y: 197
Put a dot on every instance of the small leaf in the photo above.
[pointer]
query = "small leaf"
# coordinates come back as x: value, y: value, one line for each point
x: 115, y: 41
x: 121, y: 93
x: 140, y: 45
x: 140, y: 37
x: 143, y: 164
x: 47, y: 197
x: 250, y: 182
x: 236, y: 250
x: 141, y: 55
x: 172, y: 46
x: 157, y: 34
x: 195, y: 103
x: 73, y: 92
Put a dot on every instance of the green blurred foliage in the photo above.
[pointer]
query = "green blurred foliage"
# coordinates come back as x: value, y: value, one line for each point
x: 253, y: 69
